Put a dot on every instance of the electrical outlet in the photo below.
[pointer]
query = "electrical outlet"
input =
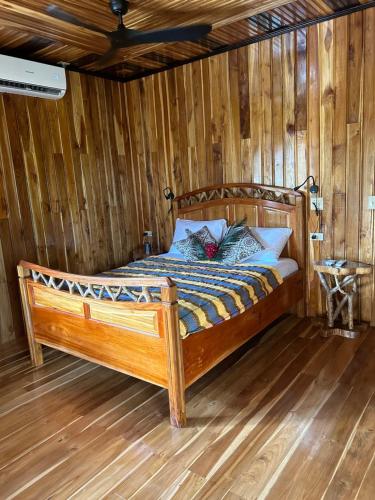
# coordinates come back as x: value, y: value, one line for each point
x: 318, y: 202
x: 317, y: 236
x: 371, y: 202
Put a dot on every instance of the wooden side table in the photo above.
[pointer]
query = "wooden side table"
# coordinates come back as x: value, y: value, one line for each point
x: 341, y: 286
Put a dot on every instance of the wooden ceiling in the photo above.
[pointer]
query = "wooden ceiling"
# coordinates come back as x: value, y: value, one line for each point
x: 28, y: 31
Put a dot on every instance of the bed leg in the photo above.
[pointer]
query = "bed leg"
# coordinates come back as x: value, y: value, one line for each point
x: 36, y: 352
x: 176, y: 375
x: 177, y: 409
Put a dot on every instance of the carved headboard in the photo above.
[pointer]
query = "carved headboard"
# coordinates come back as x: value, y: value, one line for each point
x: 263, y: 206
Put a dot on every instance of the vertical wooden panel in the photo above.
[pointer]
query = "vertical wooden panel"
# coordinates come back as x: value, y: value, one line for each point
x: 353, y: 188
x: 289, y: 108
x: 255, y: 174
x: 64, y: 199
x: 237, y: 78
x: 301, y: 107
x: 367, y: 231
x: 314, y: 109
x: 301, y: 79
x: 266, y: 86
x: 244, y: 96
x: 354, y: 66
x: 277, y: 112
x: 326, y: 62
x: 339, y: 136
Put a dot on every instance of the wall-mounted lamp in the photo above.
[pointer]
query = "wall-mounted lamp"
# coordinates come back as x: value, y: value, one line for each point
x: 313, y: 189
x: 169, y: 195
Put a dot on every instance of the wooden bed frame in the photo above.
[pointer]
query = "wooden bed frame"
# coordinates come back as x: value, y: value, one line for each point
x: 141, y: 337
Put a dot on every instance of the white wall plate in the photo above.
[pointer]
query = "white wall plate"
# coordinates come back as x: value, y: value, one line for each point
x: 317, y: 236
x: 371, y: 202
x: 318, y: 201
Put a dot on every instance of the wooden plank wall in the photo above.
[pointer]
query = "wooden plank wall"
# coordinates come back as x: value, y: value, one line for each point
x: 65, y: 196
x: 81, y: 179
x: 273, y: 112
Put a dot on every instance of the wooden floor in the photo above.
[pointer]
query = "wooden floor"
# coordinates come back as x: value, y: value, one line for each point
x: 294, y: 417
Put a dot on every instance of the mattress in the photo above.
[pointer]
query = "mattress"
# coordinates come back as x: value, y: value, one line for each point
x: 208, y: 292
x: 284, y: 265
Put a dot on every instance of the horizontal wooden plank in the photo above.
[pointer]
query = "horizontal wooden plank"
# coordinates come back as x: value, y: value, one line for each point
x: 142, y: 321
x: 45, y: 297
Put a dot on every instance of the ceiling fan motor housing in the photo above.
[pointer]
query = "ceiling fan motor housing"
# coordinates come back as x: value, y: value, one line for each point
x: 119, y: 7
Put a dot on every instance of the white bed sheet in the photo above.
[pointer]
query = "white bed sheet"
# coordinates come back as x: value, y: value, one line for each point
x: 284, y: 265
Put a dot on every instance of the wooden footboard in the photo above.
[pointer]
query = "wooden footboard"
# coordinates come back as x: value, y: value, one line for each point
x: 83, y: 316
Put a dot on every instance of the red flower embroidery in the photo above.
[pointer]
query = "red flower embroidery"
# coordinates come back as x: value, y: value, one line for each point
x: 211, y: 250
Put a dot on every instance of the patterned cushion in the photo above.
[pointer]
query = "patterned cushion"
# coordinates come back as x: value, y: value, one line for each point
x: 192, y: 247
x: 203, y: 236
x: 243, y: 247
x: 206, y: 241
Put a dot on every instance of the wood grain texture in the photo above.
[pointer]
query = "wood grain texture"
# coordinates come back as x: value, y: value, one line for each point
x: 82, y: 178
x: 260, y: 205
x: 201, y: 353
x: 66, y: 186
x: 28, y: 31
x: 274, y: 112
x: 60, y: 313
x: 289, y: 416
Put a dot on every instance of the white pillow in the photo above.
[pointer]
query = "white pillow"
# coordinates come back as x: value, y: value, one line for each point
x: 273, y: 239
x: 216, y: 227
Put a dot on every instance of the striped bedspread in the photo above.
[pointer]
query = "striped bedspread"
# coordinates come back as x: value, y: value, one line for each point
x: 208, y: 292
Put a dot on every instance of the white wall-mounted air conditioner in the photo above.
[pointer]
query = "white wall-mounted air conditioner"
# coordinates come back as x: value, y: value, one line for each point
x: 18, y: 76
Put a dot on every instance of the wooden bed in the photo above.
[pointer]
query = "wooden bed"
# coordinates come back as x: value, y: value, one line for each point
x: 141, y: 337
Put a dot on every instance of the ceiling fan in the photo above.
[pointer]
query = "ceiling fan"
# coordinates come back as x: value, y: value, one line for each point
x: 126, y: 37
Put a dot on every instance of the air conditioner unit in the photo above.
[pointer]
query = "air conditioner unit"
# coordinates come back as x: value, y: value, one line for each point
x: 18, y: 76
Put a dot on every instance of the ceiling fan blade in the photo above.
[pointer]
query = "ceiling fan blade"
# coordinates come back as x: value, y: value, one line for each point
x: 181, y: 34
x: 69, y: 18
x: 106, y: 59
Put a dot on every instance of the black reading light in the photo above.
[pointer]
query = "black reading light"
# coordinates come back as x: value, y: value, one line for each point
x: 169, y: 195
x: 313, y: 189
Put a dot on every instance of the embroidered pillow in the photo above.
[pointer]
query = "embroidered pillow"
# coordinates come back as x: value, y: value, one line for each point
x: 193, y: 247
x: 238, y: 245
x: 206, y: 241
x: 216, y: 227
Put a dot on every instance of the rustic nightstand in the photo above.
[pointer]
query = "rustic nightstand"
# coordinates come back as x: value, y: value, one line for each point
x: 341, y: 285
